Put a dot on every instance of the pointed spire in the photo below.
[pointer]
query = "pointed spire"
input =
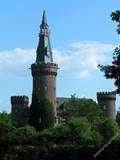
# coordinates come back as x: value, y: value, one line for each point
x: 44, y: 20
x: 44, y: 51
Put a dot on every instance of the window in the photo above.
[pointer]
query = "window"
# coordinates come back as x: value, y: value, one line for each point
x: 39, y: 120
x: 104, y: 107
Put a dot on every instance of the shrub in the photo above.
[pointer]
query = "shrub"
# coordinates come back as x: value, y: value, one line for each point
x: 108, y: 128
x: 42, y: 115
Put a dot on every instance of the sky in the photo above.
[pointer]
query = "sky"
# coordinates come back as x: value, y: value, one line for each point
x: 82, y: 36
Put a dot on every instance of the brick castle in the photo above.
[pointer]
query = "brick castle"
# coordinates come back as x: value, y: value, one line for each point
x: 44, y: 72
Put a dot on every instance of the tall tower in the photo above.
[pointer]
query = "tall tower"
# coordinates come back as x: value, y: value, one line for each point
x: 44, y: 73
x: 106, y: 100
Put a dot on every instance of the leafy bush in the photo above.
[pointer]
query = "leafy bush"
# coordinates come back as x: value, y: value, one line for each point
x: 80, y: 130
x: 42, y: 114
x: 26, y: 135
x: 108, y: 128
x: 56, y: 135
x: 82, y: 107
x: 7, y: 131
x: 76, y: 131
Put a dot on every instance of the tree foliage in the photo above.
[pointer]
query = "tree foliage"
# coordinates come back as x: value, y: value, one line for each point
x: 118, y: 117
x: 7, y: 130
x: 80, y: 130
x: 42, y: 114
x: 82, y: 107
x: 26, y: 135
x: 116, y: 17
x: 6, y: 117
x: 112, y: 71
x: 109, y: 128
x: 76, y: 131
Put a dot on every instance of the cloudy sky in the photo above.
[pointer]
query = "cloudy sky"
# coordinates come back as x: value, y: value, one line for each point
x: 82, y: 36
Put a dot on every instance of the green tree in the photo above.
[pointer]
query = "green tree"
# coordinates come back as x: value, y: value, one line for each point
x: 6, y: 117
x: 75, y: 131
x: 109, y: 128
x: 82, y: 107
x: 42, y: 115
x: 7, y: 131
x: 26, y: 134
x: 56, y: 135
x: 116, y: 17
x: 118, y: 117
x: 112, y: 71
x: 80, y: 130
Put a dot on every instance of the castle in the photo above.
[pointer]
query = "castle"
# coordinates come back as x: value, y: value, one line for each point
x: 44, y: 72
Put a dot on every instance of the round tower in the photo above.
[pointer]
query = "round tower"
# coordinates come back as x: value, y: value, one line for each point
x: 44, y: 73
x: 20, y: 110
x: 107, y: 100
x: 44, y: 82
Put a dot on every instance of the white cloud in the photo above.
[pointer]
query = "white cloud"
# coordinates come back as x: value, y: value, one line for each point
x: 80, y: 60
x: 61, y: 58
x: 16, y: 62
x: 92, y: 52
x: 84, y: 74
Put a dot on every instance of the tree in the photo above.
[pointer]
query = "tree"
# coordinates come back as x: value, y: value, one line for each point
x: 42, y: 114
x: 118, y: 117
x: 109, y: 128
x: 7, y: 131
x: 77, y: 130
x: 112, y: 71
x: 26, y: 134
x: 82, y: 107
x: 116, y: 17
x: 6, y: 117
x: 55, y: 135
x: 80, y: 130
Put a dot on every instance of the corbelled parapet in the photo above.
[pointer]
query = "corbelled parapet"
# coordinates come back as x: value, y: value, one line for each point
x: 19, y: 99
x: 44, y: 68
x: 107, y: 100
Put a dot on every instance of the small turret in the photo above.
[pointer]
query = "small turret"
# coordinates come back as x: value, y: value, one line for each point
x: 106, y: 100
x: 20, y: 110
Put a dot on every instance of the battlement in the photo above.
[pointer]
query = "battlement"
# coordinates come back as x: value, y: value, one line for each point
x: 106, y: 95
x: 19, y: 99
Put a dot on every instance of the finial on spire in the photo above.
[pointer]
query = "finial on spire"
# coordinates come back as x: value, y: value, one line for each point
x: 44, y: 20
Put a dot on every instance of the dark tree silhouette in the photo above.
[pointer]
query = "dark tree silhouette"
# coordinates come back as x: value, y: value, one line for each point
x: 112, y: 71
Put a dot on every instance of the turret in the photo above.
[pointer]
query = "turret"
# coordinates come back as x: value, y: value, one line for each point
x: 107, y: 100
x: 44, y: 73
x: 20, y: 110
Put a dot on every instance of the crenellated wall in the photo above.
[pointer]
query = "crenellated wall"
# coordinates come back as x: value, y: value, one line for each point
x: 19, y: 99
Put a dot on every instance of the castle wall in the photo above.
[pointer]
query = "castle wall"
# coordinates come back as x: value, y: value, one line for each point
x: 20, y: 110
